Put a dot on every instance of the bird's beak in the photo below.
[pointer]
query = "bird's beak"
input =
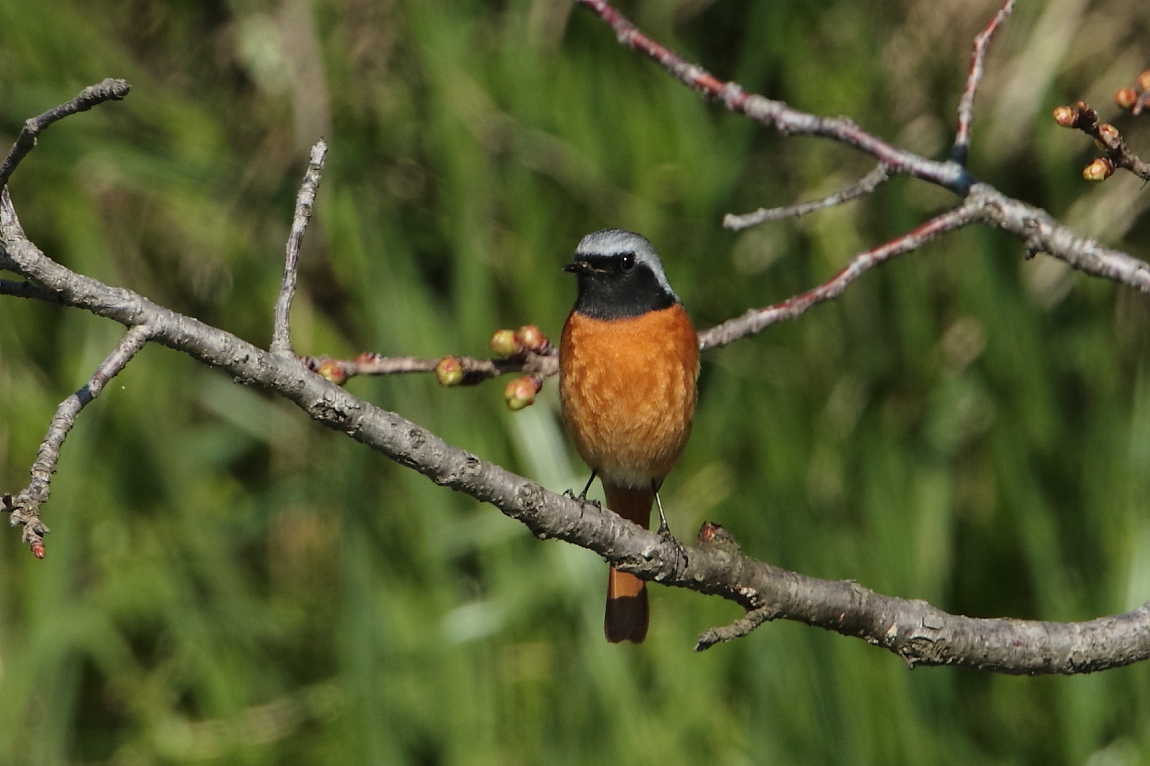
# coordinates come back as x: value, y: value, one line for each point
x: 579, y: 267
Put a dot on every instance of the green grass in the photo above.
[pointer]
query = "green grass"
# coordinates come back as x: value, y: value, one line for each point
x: 227, y: 582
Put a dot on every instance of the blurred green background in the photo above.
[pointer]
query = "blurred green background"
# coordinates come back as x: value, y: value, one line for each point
x: 227, y: 582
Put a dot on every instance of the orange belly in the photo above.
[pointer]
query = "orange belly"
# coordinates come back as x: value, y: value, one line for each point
x: 627, y: 389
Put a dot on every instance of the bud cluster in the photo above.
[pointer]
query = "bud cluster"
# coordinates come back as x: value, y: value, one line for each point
x: 509, y: 343
x: 1106, y: 137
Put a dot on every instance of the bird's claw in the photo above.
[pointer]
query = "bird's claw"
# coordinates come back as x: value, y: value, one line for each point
x: 582, y: 498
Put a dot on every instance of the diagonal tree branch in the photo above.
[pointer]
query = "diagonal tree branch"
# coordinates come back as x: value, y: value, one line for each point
x: 778, y: 115
x: 1038, y: 230
x: 756, y: 320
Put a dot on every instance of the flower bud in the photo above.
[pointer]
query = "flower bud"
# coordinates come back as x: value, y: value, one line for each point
x: 1144, y: 80
x: 505, y: 343
x: 1126, y: 97
x: 1099, y: 170
x: 533, y: 338
x: 708, y: 531
x: 330, y: 369
x: 520, y: 392
x: 1066, y: 116
x: 449, y: 371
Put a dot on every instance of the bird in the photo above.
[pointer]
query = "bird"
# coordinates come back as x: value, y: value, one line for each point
x: 628, y: 375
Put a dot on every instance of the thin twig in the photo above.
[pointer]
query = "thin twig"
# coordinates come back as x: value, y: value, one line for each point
x: 475, y: 369
x: 25, y: 507
x: 305, y: 201
x: 778, y: 115
x: 865, y: 185
x: 108, y: 90
x: 756, y: 320
x: 961, y: 149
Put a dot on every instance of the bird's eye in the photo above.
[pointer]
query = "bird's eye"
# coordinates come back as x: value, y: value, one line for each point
x: 627, y: 262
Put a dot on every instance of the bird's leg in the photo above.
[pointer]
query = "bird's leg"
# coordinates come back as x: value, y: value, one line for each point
x: 582, y: 496
x: 664, y: 528
x: 587, y: 486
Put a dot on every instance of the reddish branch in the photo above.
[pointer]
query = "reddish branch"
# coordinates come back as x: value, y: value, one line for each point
x: 973, y: 79
x: 756, y: 319
x: 776, y: 114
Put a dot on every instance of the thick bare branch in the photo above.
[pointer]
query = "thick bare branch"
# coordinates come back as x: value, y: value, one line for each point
x: 915, y: 630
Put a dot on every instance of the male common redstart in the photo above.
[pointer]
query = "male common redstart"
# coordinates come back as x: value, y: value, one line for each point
x: 628, y: 365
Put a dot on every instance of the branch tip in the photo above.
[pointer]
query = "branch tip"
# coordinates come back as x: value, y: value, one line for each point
x: 109, y: 89
x: 961, y: 150
x: 305, y: 202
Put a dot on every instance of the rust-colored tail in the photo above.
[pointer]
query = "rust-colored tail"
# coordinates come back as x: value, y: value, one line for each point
x: 627, y: 613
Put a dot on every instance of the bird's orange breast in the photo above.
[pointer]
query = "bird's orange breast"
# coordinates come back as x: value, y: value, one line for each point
x: 628, y: 390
